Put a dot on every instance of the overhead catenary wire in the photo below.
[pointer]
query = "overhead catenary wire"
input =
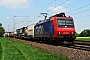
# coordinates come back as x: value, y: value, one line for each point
x: 58, y: 5
x: 71, y: 4
x: 43, y: 9
x: 82, y: 16
x: 21, y: 20
x: 51, y: 9
x: 45, y: 6
x: 55, y: 3
x: 37, y: 11
x: 79, y: 8
x: 74, y: 3
x: 72, y: 11
x: 80, y: 12
x: 66, y: 7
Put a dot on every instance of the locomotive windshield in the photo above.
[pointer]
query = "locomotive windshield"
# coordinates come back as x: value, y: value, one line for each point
x: 65, y: 23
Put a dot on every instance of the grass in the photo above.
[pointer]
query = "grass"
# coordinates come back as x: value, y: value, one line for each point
x: 12, y: 50
x: 0, y: 51
x: 83, y: 38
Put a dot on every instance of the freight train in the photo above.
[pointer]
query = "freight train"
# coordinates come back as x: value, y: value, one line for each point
x: 58, y: 28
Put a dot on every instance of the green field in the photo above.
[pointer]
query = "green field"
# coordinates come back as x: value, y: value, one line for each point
x: 12, y: 50
x: 83, y: 38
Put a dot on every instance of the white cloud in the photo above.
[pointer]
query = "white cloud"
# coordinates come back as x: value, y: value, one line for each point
x: 15, y: 3
x: 7, y: 18
x: 58, y: 9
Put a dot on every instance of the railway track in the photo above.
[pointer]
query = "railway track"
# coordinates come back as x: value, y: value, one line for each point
x: 81, y: 45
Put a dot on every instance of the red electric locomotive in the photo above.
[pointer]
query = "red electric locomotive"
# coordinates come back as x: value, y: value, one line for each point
x: 57, y: 29
x: 64, y: 29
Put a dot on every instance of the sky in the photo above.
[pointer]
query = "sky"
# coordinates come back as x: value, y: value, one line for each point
x: 18, y: 13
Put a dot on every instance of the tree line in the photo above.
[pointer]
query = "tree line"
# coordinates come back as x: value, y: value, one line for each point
x: 84, y: 33
x: 2, y: 30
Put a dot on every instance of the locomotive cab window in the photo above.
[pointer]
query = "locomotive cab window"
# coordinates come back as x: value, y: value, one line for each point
x: 64, y: 22
x: 69, y: 22
x: 61, y: 22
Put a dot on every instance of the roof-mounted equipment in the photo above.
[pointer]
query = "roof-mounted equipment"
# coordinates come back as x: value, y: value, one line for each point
x: 59, y: 15
x: 45, y: 15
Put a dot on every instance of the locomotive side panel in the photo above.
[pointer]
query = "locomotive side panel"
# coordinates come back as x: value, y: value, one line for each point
x: 46, y: 32
x: 45, y: 29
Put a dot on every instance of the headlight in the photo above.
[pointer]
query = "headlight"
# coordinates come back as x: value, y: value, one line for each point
x: 59, y: 33
x: 72, y: 32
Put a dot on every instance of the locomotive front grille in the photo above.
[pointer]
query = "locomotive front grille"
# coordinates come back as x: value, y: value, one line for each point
x: 66, y: 36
